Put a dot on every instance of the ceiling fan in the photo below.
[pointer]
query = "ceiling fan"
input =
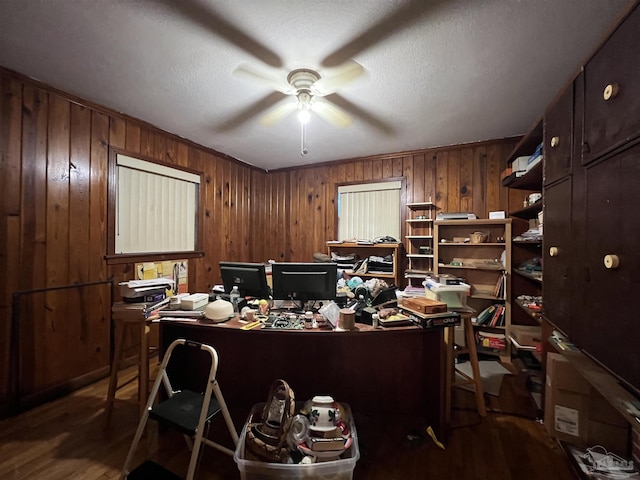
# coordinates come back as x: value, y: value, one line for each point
x: 309, y: 91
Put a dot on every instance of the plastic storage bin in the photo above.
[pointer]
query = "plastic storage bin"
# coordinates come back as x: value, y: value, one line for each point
x: 341, y: 469
x: 455, y: 296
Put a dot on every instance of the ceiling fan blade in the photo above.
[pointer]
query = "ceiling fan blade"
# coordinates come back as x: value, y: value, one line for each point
x: 263, y: 78
x: 385, y: 27
x: 250, y: 112
x: 331, y: 113
x: 347, y: 73
x: 362, y: 114
x: 278, y: 113
x: 203, y: 15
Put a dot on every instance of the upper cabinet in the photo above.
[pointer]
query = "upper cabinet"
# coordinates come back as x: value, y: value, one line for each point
x: 558, y: 138
x: 611, y: 99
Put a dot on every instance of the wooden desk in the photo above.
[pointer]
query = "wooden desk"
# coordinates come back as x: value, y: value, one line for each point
x: 377, y: 371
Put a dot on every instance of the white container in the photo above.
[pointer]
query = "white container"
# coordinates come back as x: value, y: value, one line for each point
x: 341, y: 469
x: 455, y: 296
x: 194, y: 301
x: 519, y: 164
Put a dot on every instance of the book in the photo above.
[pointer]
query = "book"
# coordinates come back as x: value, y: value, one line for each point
x: 485, y: 315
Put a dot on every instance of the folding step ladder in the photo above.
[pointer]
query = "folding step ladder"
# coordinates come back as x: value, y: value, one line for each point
x: 185, y: 411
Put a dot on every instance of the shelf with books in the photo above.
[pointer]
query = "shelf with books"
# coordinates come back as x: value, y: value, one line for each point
x: 359, y: 251
x: 485, y: 268
x: 419, y: 242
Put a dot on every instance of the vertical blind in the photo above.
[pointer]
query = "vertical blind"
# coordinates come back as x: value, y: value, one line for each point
x: 369, y: 210
x: 156, y: 207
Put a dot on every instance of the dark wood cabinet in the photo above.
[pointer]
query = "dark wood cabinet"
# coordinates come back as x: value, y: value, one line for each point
x: 591, y: 261
x: 612, y: 262
x: 612, y: 91
x: 558, y: 138
x: 559, y: 255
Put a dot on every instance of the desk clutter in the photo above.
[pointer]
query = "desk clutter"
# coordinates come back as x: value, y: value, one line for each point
x: 280, y: 440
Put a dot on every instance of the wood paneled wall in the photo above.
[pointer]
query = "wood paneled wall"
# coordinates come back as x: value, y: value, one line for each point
x: 53, y: 231
x: 464, y: 178
x: 53, y: 218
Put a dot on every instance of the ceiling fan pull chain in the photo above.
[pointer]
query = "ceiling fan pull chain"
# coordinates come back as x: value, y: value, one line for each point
x: 303, y: 151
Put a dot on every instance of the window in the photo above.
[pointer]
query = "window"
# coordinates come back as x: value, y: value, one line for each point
x: 369, y: 210
x: 154, y: 209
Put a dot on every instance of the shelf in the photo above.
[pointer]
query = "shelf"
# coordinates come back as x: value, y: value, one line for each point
x: 473, y: 223
x: 536, y: 315
x: 532, y: 180
x: 419, y: 255
x: 484, y: 296
x: 419, y: 220
x: 419, y: 237
x: 528, y: 242
x: 370, y: 274
x: 421, y: 205
x: 469, y: 267
x: 528, y: 275
x: 378, y: 249
x: 528, y: 212
x: 469, y: 244
x: 417, y: 275
x: 529, y: 348
x: 529, y: 142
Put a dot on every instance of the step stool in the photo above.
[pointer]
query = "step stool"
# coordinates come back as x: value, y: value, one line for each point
x: 453, y: 351
x: 185, y: 411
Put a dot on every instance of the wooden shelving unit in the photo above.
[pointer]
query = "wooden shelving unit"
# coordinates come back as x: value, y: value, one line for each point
x: 419, y: 242
x: 481, y: 265
x: 378, y: 249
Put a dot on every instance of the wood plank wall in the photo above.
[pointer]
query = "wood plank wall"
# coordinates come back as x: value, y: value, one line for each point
x: 456, y: 178
x: 53, y: 218
x: 54, y: 184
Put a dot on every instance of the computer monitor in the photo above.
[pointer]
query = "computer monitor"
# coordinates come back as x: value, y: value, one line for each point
x: 250, y: 278
x: 302, y: 282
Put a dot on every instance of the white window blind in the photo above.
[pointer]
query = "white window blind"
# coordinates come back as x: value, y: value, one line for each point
x: 369, y: 210
x: 156, y: 207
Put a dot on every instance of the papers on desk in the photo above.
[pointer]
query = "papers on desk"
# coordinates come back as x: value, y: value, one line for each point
x: 139, y: 288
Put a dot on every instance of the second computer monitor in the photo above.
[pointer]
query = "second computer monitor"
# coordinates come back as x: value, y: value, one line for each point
x: 304, y: 281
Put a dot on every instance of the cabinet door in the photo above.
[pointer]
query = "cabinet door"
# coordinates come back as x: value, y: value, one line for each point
x: 558, y: 138
x: 610, y: 332
x: 558, y: 258
x: 612, y: 91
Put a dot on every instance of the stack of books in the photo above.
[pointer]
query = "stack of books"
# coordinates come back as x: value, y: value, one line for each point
x: 492, y: 316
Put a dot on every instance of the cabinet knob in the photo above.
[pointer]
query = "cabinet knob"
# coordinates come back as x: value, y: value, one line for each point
x: 553, y: 251
x: 611, y: 261
x: 555, y: 141
x: 611, y: 91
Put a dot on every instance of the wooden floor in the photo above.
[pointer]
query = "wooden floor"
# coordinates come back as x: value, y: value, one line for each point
x: 66, y: 439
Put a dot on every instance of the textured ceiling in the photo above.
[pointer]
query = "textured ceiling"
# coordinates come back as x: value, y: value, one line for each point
x: 437, y: 72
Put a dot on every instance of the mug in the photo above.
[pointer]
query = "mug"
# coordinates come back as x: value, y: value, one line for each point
x: 324, y: 413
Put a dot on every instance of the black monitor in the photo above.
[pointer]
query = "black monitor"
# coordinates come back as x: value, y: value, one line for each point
x: 250, y: 278
x: 302, y: 282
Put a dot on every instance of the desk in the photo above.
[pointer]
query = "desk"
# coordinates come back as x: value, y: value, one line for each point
x: 376, y: 371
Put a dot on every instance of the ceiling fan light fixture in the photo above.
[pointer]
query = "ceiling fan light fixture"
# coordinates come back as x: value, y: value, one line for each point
x: 304, y: 116
x: 304, y: 106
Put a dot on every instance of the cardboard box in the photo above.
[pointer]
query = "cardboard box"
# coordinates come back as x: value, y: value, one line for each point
x: 527, y: 336
x: 423, y: 305
x: 577, y: 413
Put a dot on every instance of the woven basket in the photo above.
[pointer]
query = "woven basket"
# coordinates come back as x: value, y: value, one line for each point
x: 478, y: 237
